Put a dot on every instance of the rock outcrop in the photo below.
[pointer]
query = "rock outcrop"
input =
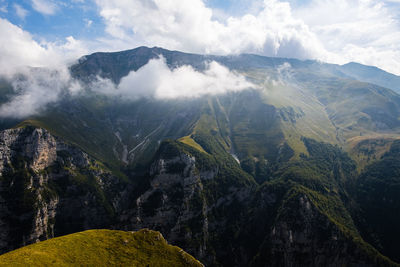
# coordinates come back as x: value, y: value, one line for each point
x: 303, y: 236
x: 183, y: 203
x: 49, y: 188
x: 201, y: 202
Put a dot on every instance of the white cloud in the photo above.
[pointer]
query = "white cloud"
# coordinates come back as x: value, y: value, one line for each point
x: 336, y: 31
x: 35, y: 89
x: 155, y: 79
x: 38, y: 86
x: 20, y: 11
x: 364, y: 31
x: 18, y: 49
x: 45, y: 7
x: 189, y: 26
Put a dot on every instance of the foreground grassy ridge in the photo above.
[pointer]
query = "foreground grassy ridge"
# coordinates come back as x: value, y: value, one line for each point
x: 101, y: 248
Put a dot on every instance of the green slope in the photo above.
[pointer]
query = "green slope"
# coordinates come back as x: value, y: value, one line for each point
x: 101, y: 248
x: 377, y: 193
x: 276, y: 133
x: 322, y: 178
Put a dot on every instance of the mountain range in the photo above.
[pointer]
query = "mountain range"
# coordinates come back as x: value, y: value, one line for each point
x: 300, y: 169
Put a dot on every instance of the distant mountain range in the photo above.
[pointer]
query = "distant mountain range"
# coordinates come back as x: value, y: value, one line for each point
x: 301, y: 170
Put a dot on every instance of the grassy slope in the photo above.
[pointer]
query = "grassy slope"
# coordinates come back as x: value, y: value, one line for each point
x: 336, y: 110
x: 243, y: 123
x: 377, y: 192
x: 366, y: 150
x: 92, y: 136
x: 321, y: 176
x: 355, y: 108
x: 101, y: 248
x: 301, y: 113
x: 190, y: 142
x: 102, y: 126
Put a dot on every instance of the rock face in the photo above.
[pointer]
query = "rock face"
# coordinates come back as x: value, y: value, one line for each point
x: 303, y: 236
x: 201, y: 202
x: 174, y: 200
x: 182, y: 202
x: 33, y: 150
x: 287, y: 200
x: 46, y: 188
x: 267, y: 227
x: 38, y: 146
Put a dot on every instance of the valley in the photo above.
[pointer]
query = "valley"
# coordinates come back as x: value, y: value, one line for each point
x: 298, y: 170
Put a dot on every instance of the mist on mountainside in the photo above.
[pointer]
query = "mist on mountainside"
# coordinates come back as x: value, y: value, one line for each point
x: 200, y: 133
x: 201, y: 148
x: 35, y: 88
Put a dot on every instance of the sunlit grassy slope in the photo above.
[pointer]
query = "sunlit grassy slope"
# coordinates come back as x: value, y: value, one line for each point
x: 291, y: 135
x: 101, y: 248
x: 189, y: 141
x: 294, y: 99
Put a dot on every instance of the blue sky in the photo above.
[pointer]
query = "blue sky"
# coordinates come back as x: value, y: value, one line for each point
x: 55, y: 33
x: 78, y: 19
x: 336, y: 31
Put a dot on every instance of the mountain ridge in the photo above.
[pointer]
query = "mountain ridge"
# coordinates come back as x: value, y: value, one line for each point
x: 351, y: 69
x: 267, y: 176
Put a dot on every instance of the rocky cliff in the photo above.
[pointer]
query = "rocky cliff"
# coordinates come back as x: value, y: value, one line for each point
x: 183, y: 202
x: 302, y: 170
x: 282, y: 223
x: 49, y: 188
x: 199, y: 199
